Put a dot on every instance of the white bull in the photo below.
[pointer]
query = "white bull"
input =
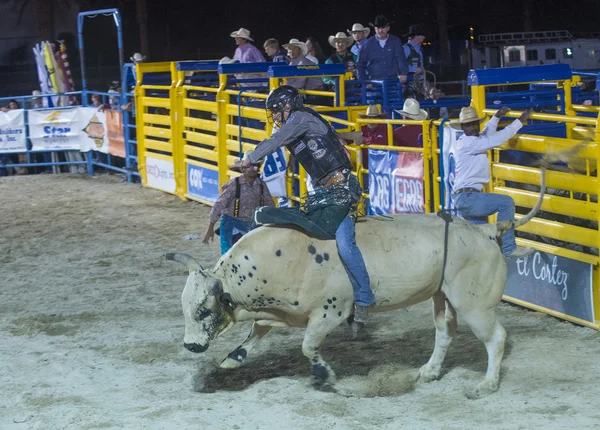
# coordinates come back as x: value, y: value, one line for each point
x: 277, y: 276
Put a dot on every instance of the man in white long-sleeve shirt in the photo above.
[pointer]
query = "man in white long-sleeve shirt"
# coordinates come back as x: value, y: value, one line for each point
x: 473, y: 173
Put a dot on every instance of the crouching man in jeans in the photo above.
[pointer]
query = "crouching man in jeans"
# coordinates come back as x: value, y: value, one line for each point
x: 235, y: 205
x: 473, y: 173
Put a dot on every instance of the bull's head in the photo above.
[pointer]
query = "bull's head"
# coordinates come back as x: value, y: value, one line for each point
x: 206, y: 308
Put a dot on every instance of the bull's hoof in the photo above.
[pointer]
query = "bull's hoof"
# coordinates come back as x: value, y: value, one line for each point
x: 322, y: 377
x: 325, y: 387
x: 230, y: 363
x: 234, y: 359
x: 482, y: 390
x: 427, y: 374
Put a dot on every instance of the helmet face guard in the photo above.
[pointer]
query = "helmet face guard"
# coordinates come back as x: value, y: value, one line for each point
x: 281, y: 100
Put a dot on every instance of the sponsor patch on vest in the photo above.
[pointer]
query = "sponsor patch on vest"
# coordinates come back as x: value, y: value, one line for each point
x: 312, y: 145
x: 320, y: 153
x: 299, y: 147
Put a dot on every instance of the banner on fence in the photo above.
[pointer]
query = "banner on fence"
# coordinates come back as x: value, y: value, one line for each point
x: 552, y: 282
x: 449, y: 142
x: 92, y: 130
x: 203, y: 183
x: 395, y: 182
x: 114, y: 132
x: 12, y: 131
x: 54, y: 129
x: 83, y: 128
x: 160, y: 174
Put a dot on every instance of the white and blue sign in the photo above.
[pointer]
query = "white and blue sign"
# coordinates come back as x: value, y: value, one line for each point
x: 275, y: 165
x: 552, y: 282
x: 203, y: 183
x: 451, y: 136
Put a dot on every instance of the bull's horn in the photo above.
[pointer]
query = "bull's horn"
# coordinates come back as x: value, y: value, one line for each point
x: 186, y: 259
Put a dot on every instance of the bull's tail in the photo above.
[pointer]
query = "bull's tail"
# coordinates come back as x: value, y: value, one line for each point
x: 185, y: 259
x: 563, y: 156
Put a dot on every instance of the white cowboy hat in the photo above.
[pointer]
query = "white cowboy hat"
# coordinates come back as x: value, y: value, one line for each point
x: 467, y: 115
x: 243, y: 33
x: 340, y: 35
x: 412, y: 109
x: 299, y: 44
x: 227, y: 60
x: 372, y: 112
x: 359, y: 27
x: 137, y: 57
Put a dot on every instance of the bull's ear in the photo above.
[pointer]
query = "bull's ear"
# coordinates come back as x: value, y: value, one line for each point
x: 226, y: 300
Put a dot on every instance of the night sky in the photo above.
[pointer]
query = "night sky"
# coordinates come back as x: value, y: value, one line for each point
x: 199, y: 29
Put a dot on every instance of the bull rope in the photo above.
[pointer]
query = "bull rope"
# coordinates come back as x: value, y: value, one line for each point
x: 447, y: 220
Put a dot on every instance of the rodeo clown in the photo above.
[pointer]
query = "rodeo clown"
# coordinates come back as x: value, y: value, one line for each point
x: 317, y: 147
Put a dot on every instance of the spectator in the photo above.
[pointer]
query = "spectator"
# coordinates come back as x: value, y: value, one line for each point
x: 246, y: 52
x: 315, y: 52
x: 414, y: 58
x: 382, y: 56
x: 97, y: 102
x: 341, y: 42
x: 137, y: 58
x: 359, y: 34
x: 472, y: 172
x: 372, y: 134
x: 297, y: 52
x: 413, y: 51
x: 410, y: 135
x: 273, y: 50
x: 37, y: 102
x: 11, y: 105
x: 236, y: 204
x: 435, y: 94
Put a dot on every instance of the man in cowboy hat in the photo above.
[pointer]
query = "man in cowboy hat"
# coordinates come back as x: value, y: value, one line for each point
x: 246, y: 52
x: 316, y: 146
x: 410, y: 135
x: 297, y: 51
x: 373, y: 134
x: 342, y: 55
x: 382, y: 56
x: 137, y: 58
x: 472, y: 172
x: 413, y: 51
x: 359, y: 34
x: 236, y: 203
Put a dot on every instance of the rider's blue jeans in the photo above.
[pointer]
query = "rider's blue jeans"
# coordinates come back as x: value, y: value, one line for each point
x: 354, y: 263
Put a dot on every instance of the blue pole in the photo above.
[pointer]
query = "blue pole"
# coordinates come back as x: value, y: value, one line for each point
x: 441, y: 159
x: 80, y: 20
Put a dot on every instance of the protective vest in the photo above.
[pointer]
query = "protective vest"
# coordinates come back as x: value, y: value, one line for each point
x: 319, y: 153
x: 347, y: 60
x: 413, y: 59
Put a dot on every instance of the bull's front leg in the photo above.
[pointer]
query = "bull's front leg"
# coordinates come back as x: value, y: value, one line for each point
x: 237, y: 357
x: 321, y: 323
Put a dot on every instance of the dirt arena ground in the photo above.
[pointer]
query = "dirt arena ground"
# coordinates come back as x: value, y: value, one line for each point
x: 91, y: 337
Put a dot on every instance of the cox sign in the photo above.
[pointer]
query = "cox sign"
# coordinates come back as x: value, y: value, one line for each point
x: 203, y: 183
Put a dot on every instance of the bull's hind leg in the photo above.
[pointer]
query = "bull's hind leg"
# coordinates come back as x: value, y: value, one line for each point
x: 321, y: 323
x: 444, y: 317
x: 486, y: 327
x: 236, y: 357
